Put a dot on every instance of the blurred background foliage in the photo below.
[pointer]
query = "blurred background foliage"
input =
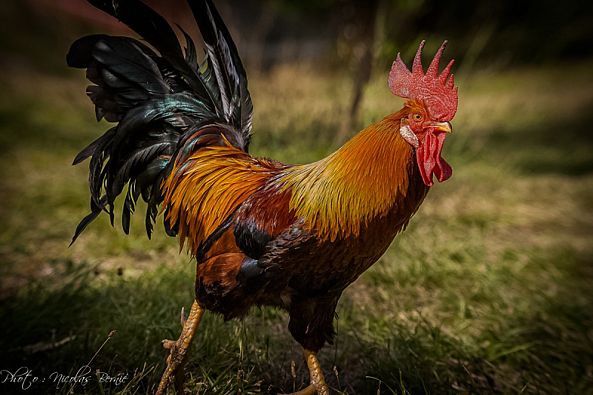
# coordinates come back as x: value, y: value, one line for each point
x: 329, y: 32
x: 353, y: 38
x: 488, y: 291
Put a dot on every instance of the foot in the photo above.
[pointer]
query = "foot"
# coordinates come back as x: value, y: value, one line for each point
x: 175, y: 367
x: 178, y: 350
x: 311, y: 389
x: 318, y: 385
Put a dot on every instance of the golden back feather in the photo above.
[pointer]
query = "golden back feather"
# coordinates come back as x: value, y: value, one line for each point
x: 207, y: 187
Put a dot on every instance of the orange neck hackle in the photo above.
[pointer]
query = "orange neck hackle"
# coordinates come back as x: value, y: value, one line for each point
x: 340, y: 194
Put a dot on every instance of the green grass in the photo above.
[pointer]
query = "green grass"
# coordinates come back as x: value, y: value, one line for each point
x: 488, y: 291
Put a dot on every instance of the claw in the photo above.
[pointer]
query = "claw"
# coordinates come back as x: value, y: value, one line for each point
x: 312, y: 389
x: 318, y: 385
x: 178, y: 350
x: 183, y: 317
x: 309, y: 390
x: 168, y: 344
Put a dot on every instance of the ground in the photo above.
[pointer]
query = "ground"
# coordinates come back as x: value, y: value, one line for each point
x: 488, y: 290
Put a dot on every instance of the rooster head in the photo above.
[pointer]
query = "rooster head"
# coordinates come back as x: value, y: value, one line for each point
x: 432, y: 103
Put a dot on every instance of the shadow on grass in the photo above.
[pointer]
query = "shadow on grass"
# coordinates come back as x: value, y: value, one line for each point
x: 114, y: 325
x: 545, y: 347
x: 553, y: 146
x: 550, y: 348
x: 57, y: 330
x: 60, y: 327
x: 422, y: 360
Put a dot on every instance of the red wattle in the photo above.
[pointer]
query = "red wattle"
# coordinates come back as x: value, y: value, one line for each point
x: 430, y: 161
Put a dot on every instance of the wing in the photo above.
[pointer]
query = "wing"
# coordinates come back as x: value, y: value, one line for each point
x: 204, y: 190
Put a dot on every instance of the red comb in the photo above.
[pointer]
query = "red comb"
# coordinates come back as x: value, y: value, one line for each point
x: 438, y: 92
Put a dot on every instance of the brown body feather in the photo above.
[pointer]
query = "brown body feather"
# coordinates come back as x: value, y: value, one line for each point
x: 293, y: 236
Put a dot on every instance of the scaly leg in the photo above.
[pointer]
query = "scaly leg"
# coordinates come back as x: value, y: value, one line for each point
x: 318, y: 385
x: 178, y: 350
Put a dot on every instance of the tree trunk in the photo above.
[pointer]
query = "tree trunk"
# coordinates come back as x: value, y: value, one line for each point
x: 370, y: 30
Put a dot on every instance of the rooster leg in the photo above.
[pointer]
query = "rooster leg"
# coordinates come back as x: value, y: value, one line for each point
x: 318, y: 385
x: 178, y: 350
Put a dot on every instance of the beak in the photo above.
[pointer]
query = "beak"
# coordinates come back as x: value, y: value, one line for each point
x: 442, y: 126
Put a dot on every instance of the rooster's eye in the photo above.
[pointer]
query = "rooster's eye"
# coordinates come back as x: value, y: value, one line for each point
x: 417, y: 117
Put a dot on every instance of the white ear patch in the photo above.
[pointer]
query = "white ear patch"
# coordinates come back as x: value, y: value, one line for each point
x: 409, y: 136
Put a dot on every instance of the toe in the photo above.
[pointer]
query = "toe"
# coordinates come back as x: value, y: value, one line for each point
x: 168, y: 344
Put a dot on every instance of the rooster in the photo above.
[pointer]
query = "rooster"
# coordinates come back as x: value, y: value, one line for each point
x: 261, y: 232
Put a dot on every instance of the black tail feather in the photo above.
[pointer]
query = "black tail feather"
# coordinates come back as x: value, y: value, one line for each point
x: 95, y: 211
x: 92, y: 148
x: 160, y: 95
x: 224, y: 61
